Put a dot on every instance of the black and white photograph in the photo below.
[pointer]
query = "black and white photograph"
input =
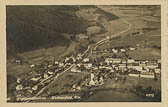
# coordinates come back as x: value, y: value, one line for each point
x: 83, y: 53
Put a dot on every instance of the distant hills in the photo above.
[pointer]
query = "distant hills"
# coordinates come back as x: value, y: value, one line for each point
x: 34, y: 27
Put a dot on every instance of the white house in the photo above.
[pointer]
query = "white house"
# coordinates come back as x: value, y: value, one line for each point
x: 18, y: 61
x: 50, y: 73
x: 159, y: 61
x: 50, y: 65
x: 56, y: 62
x: 18, y: 80
x: 67, y: 59
x: 132, y: 49
x: 61, y: 64
x: 122, y: 50
x: 78, y: 65
x: 86, y: 60
x: 19, y: 87
x: 107, y: 37
x: 147, y: 75
x: 130, y: 60
x: 32, y: 65
x: 138, y: 68
x: 114, y: 51
x: 36, y: 79
x: 157, y: 71
x: 45, y: 75
x: 74, y: 69
x: 35, y: 87
x: 152, y: 66
x: 122, y: 66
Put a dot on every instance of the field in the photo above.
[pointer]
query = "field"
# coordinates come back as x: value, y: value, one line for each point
x: 144, y: 20
x: 64, y: 83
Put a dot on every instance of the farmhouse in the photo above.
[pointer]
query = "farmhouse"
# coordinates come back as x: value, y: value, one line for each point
x: 147, y: 75
x: 19, y: 87
x: 122, y: 50
x: 86, y: 60
x: 134, y: 73
x: 114, y: 50
x: 132, y: 49
x: 36, y: 79
x: 130, y: 61
x: 113, y: 60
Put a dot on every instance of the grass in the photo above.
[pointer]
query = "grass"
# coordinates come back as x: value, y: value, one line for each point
x: 64, y: 83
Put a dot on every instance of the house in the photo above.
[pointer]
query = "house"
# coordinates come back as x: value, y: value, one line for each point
x: 122, y: 66
x: 45, y: 75
x: 132, y: 49
x: 130, y: 61
x: 67, y: 59
x: 101, y: 67
x: 124, y: 61
x: 36, y: 79
x: 107, y: 37
x: 86, y: 60
x: 109, y: 60
x: 35, y: 88
x: 95, y: 68
x: 114, y: 51
x: 61, y: 64
x: 56, y: 62
x: 157, y: 71
x: 142, y: 65
x: 88, y: 66
x: 159, y: 61
x: 74, y: 69
x: 19, y: 87
x: 152, y: 66
x: 147, y: 75
x: 18, y: 61
x: 138, y: 68
x: 80, y: 55
x: 50, y: 65
x: 130, y: 65
x: 18, y: 80
x: 50, y: 73
x: 109, y: 68
x: 116, y: 68
x: 92, y: 82
x: 134, y: 73
x: 137, y: 45
x: 116, y: 60
x: 122, y: 50
x: 32, y: 66
x: 74, y: 60
x: 78, y: 65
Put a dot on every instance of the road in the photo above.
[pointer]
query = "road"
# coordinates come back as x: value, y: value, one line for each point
x: 91, y: 48
x: 87, y: 53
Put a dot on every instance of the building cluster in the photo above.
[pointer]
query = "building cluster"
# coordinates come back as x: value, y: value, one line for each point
x: 99, y: 70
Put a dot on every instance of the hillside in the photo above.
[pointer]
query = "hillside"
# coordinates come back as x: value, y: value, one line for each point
x: 33, y: 27
x: 38, y: 27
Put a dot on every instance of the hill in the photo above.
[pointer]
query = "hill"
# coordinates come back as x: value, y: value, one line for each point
x: 33, y: 27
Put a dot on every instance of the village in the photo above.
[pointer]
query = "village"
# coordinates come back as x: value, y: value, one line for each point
x: 99, y: 69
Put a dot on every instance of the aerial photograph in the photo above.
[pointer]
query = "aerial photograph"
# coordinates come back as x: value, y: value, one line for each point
x: 83, y: 53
